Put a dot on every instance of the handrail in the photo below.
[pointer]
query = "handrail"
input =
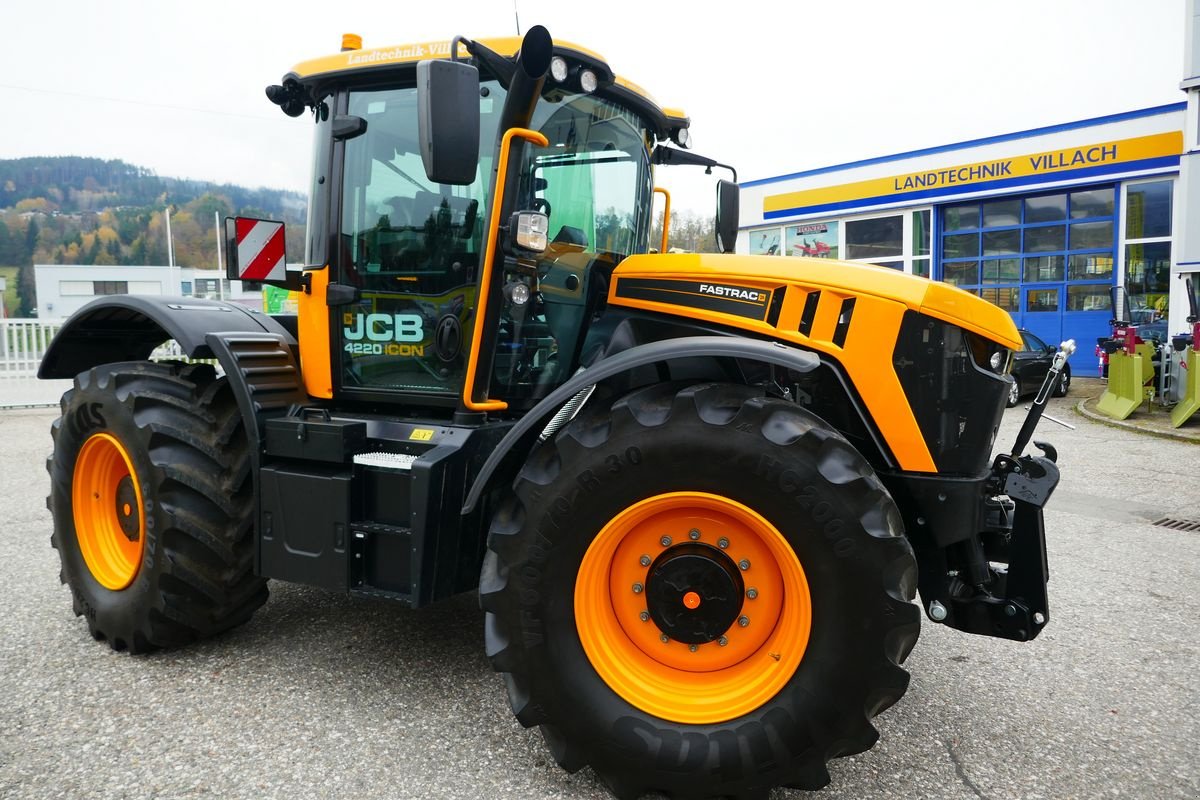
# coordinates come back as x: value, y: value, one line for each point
x: 666, y: 216
x: 489, y: 259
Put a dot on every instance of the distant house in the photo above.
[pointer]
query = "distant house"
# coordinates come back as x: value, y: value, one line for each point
x: 64, y: 289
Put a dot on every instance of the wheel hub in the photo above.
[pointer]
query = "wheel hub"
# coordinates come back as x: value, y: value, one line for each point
x: 128, y: 517
x: 694, y: 593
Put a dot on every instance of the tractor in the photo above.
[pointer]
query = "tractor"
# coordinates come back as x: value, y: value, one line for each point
x: 697, y: 493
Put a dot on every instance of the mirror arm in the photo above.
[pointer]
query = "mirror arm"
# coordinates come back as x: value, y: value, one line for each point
x: 672, y: 156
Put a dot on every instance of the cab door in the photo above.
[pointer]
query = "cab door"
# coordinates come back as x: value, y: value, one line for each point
x: 411, y: 249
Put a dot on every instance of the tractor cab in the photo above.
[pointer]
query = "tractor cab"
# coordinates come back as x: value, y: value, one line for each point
x: 402, y: 300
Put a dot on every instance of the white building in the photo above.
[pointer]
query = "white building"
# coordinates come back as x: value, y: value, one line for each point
x: 64, y: 289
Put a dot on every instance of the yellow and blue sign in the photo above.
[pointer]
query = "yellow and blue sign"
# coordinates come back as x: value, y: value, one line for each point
x: 1102, y: 158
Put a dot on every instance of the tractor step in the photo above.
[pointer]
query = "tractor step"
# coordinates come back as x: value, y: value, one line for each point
x: 381, y: 560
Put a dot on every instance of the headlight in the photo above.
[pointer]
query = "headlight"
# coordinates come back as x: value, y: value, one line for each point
x: 530, y: 230
x: 558, y: 69
x: 997, y: 361
x: 518, y: 293
x: 587, y: 81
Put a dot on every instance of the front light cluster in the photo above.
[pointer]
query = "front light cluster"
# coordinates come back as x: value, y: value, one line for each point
x: 561, y: 72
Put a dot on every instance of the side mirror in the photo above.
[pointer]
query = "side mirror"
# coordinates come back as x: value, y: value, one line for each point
x: 727, y: 215
x: 255, y: 251
x: 448, y: 120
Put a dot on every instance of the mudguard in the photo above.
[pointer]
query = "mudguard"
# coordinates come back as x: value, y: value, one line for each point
x: 129, y: 327
x: 524, y: 432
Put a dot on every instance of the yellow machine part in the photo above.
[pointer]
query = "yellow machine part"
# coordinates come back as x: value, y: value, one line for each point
x: 1127, y: 376
x: 743, y: 292
x: 1191, y: 399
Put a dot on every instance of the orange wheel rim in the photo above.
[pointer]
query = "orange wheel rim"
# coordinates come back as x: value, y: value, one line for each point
x: 107, y: 505
x: 619, y: 607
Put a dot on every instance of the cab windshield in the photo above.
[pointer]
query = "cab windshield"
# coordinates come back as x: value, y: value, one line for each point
x: 413, y: 247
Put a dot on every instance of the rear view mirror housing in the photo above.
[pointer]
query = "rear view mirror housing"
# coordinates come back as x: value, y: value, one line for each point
x: 727, y: 215
x: 448, y: 120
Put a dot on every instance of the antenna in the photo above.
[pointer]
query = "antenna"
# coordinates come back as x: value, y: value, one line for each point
x: 517, y: 17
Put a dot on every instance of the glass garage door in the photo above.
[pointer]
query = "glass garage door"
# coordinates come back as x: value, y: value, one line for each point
x: 1048, y: 259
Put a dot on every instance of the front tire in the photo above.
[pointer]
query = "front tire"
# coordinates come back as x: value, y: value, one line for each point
x: 1064, y: 382
x: 150, y: 488
x: 777, y: 537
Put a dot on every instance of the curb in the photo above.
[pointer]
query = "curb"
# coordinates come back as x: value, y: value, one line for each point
x: 1082, y: 410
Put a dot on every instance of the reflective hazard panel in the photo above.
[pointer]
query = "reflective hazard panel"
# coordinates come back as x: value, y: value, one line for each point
x: 260, y: 250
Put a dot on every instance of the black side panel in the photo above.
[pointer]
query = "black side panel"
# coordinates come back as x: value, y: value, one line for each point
x: 304, y: 527
x: 129, y: 327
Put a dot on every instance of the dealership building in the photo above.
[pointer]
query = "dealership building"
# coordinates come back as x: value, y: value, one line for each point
x: 1043, y: 222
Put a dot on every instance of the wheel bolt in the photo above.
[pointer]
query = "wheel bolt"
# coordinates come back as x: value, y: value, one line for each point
x: 644, y: 616
x: 637, y: 588
x: 665, y: 541
x: 693, y: 534
x: 722, y: 641
x: 744, y: 564
x: 644, y: 561
x: 752, y: 593
x: 693, y: 647
x: 743, y: 621
x: 722, y: 543
x: 665, y: 638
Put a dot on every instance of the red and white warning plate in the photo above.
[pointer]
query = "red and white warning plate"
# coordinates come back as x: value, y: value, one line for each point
x: 260, y: 250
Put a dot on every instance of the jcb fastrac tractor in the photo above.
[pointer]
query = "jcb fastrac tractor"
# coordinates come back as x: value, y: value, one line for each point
x: 697, y: 492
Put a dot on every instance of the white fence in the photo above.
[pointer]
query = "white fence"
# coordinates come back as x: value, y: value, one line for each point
x: 23, y: 342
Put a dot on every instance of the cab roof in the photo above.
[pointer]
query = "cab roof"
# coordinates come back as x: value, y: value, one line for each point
x: 364, y: 62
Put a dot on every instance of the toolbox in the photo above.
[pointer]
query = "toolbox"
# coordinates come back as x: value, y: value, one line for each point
x: 312, y: 434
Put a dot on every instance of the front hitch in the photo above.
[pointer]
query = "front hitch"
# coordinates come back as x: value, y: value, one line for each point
x: 997, y: 586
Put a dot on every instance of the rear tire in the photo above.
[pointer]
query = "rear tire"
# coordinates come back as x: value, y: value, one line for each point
x: 172, y: 560
x: 728, y: 448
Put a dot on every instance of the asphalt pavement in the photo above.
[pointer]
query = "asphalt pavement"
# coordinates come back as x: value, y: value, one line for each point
x: 322, y: 696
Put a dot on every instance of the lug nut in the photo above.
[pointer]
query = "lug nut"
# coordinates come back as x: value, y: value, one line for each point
x: 743, y: 621
x: 693, y: 648
x: 665, y: 541
x: 644, y: 561
x: 722, y: 543
x: 752, y: 593
x: 744, y: 564
x: 1039, y: 618
x: 693, y: 534
x: 722, y: 641
x: 644, y: 616
x: 637, y: 588
x: 665, y: 638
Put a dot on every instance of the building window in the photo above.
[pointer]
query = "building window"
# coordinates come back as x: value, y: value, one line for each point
x: 1148, y: 249
x: 875, y: 239
x: 996, y: 248
x: 765, y: 242
x: 812, y: 239
x: 110, y: 287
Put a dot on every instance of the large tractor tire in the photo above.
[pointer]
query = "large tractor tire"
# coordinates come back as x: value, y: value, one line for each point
x: 150, y: 488
x: 700, y: 591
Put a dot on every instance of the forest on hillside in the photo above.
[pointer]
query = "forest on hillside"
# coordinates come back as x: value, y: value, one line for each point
x: 70, y: 210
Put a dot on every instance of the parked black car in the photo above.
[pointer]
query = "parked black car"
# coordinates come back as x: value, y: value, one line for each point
x: 1030, y: 366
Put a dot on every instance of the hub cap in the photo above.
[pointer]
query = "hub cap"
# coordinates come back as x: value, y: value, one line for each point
x: 107, y: 506
x: 692, y: 607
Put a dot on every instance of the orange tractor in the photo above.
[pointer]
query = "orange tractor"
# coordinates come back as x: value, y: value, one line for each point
x: 697, y: 493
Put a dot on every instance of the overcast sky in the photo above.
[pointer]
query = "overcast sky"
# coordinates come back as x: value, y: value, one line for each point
x: 770, y: 87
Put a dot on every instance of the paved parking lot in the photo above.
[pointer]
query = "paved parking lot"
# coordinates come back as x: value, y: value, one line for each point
x: 324, y: 696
